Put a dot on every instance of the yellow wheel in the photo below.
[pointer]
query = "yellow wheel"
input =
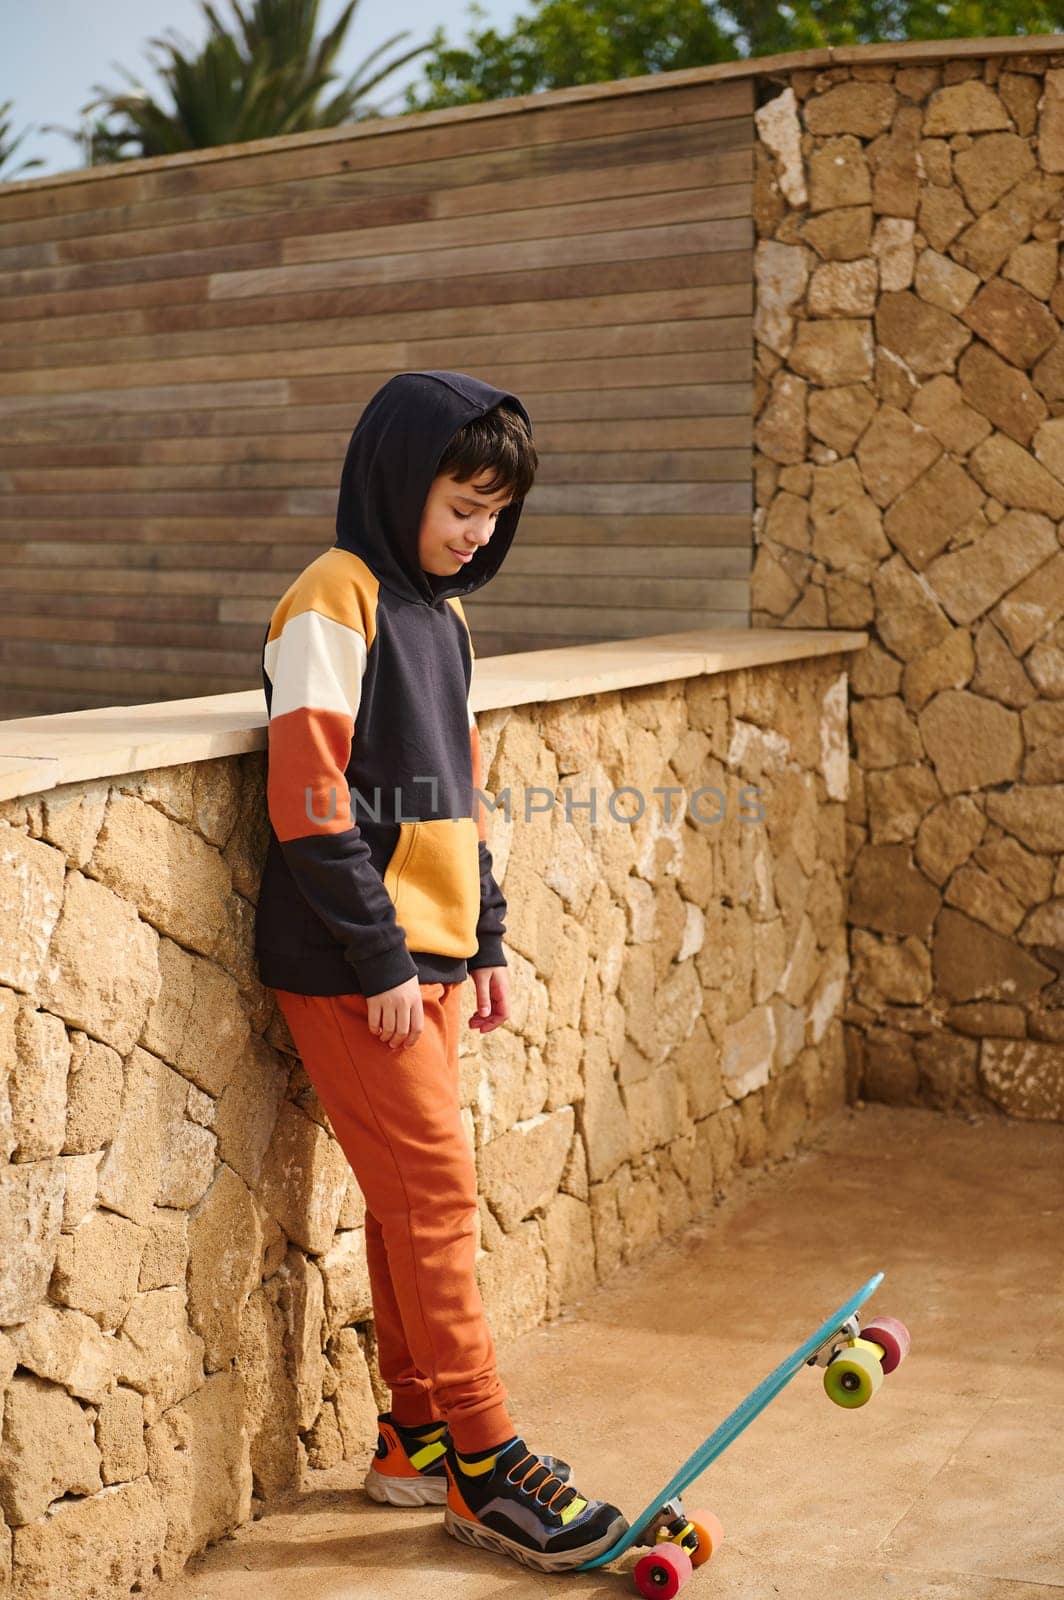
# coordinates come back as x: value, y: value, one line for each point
x: 853, y: 1377
x: 710, y: 1533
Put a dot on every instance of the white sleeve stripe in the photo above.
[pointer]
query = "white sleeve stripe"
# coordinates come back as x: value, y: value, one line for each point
x: 315, y: 663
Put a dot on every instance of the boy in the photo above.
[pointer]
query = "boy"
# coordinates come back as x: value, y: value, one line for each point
x: 377, y: 900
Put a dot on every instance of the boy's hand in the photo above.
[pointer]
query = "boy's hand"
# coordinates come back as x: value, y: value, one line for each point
x: 493, y: 997
x: 397, y: 1016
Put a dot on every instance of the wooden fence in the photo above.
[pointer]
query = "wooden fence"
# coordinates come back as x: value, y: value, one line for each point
x: 187, y: 343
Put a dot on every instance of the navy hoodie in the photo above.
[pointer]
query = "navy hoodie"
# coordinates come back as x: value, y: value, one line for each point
x: 377, y: 868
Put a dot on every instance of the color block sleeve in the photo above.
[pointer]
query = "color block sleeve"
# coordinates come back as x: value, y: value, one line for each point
x: 315, y: 665
x: 491, y: 925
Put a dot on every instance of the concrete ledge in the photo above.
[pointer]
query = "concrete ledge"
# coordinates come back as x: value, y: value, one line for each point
x: 40, y: 753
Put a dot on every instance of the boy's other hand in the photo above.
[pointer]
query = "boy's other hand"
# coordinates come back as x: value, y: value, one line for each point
x: 493, y: 997
x: 397, y: 1016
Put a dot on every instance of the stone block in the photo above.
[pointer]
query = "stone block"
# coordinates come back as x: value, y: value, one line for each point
x: 225, y: 1251
x: 838, y: 175
x: 927, y: 339
x: 1023, y: 1077
x: 304, y: 1179
x: 345, y: 1271
x: 93, y: 1095
x: 97, y: 1267
x: 120, y: 1436
x: 102, y: 969
x: 970, y: 107
x: 188, y: 901
x: 48, y: 1449
x: 153, y: 1104
x: 199, y: 1462
x: 838, y: 350
x: 37, y: 1085
x: 111, y: 1540
x: 31, y: 1213
x: 520, y: 1171
x: 513, y: 1282
x: 156, y: 1352
x: 199, y: 1024
x: 1012, y: 475
x: 31, y: 900
x: 65, y: 1347
x: 303, y: 1302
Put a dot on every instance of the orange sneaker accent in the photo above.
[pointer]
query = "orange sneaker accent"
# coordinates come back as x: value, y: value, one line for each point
x: 396, y: 1463
x: 455, y: 1500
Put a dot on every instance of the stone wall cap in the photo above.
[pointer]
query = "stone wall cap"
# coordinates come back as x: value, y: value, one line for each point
x: 41, y: 753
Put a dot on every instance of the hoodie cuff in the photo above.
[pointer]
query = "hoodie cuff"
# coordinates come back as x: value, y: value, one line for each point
x: 489, y: 953
x: 391, y: 967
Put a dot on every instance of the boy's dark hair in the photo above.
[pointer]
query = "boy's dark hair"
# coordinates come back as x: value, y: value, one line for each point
x: 499, y: 440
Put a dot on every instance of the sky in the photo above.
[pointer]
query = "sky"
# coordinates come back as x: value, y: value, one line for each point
x: 53, y: 52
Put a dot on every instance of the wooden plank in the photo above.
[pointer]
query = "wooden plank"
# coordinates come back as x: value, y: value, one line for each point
x: 60, y: 492
x: 156, y: 463
x: 632, y: 464
x: 18, y: 655
x: 146, y: 608
x: 205, y: 636
x: 126, y: 683
x: 724, y: 147
x: 668, y: 561
x: 390, y: 141
x: 666, y: 304
x: 485, y: 226
x: 712, y: 366
x: 730, y: 233
x: 565, y: 344
x: 311, y: 533
x: 587, y: 215
x: 188, y: 546
x: 121, y: 581
x: 599, y: 622
x: 55, y: 426
x: 723, y: 366
x: 491, y: 642
x: 709, y: 527
x: 171, y: 303
x: 603, y: 590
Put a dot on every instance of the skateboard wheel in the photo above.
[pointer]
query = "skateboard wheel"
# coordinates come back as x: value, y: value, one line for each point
x: 710, y: 1533
x: 853, y: 1377
x: 663, y: 1572
x: 894, y: 1338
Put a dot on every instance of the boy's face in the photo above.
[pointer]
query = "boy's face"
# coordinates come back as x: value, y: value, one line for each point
x: 456, y: 517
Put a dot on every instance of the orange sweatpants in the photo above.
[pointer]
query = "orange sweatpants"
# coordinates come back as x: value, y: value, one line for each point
x: 396, y: 1114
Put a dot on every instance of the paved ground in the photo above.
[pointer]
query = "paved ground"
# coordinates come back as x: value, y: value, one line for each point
x: 949, y: 1485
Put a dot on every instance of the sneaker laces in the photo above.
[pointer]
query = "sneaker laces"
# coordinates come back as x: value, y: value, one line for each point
x: 528, y: 1487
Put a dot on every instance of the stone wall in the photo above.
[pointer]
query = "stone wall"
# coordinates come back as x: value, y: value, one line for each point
x: 910, y: 481
x: 185, y: 1321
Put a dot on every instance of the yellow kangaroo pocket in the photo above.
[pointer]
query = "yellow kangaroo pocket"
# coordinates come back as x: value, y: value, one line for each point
x: 433, y: 878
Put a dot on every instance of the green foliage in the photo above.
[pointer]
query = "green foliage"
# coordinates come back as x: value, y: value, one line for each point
x: 563, y: 42
x: 263, y: 75
x: 9, y: 145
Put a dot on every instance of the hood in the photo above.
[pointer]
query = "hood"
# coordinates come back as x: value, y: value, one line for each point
x: 390, y: 464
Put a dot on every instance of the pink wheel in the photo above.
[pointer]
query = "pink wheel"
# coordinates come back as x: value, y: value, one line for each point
x: 893, y: 1336
x: 663, y: 1572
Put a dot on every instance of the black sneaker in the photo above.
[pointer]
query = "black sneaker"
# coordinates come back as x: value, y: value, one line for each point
x: 407, y: 1466
x: 512, y: 1502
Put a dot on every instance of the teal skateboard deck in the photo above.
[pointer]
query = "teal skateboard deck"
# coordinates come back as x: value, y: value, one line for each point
x: 840, y: 1327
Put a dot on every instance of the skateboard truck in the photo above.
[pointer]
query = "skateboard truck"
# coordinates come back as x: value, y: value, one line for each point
x: 668, y: 1522
x: 825, y: 1353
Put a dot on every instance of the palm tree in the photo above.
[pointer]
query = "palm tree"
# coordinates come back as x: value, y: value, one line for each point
x: 261, y: 77
x: 8, y: 145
